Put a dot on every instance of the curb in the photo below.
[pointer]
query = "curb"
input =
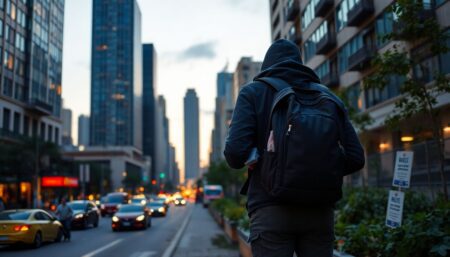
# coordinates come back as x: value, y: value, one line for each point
x: 174, y: 243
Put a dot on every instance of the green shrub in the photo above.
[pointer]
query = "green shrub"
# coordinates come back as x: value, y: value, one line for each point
x: 360, y: 228
x: 234, y: 213
x: 222, y: 204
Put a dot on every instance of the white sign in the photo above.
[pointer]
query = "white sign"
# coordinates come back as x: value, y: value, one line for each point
x: 403, y: 166
x: 395, y: 209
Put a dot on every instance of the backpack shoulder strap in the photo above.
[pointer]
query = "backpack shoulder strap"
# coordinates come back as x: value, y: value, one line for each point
x: 275, y: 83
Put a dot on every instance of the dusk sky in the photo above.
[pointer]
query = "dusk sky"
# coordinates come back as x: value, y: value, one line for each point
x: 194, y: 40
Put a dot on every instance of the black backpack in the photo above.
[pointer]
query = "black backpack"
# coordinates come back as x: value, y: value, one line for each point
x: 308, y: 162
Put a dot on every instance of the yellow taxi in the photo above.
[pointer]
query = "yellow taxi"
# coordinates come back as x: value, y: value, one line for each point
x: 29, y: 226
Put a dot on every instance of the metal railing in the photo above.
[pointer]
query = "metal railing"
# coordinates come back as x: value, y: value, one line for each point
x: 425, y: 173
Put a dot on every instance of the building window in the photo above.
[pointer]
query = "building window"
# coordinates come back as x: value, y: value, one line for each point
x: 8, y: 61
x: 309, y: 48
x: 309, y: 14
x: 6, y: 118
x: 353, y: 94
x: 323, y: 69
x: 384, y: 26
x: 16, y: 127
x: 7, y: 87
x: 347, y: 50
x: 374, y: 96
x: 444, y: 59
x: 426, y: 69
x: 1, y: 26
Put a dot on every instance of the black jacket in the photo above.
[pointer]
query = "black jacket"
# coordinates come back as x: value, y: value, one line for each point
x: 250, y: 119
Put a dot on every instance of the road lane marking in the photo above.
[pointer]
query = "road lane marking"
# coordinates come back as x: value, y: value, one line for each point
x: 143, y: 254
x: 101, y: 249
x: 173, y: 244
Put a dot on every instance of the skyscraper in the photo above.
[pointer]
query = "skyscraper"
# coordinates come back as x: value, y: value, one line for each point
x: 149, y: 86
x: 66, y: 117
x: 83, y: 130
x: 161, y: 139
x: 116, y: 74
x: 222, y: 114
x: 191, y: 135
x: 246, y: 70
x: 31, y: 35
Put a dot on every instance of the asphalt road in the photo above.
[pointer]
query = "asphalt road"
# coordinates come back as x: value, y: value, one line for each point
x: 102, y: 241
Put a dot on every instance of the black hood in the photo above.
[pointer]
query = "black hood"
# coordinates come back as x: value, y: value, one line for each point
x: 283, y: 60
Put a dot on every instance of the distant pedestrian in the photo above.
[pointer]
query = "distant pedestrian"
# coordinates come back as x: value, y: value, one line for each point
x: 307, y: 144
x: 64, y: 213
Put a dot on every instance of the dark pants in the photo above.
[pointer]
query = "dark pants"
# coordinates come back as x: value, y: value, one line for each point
x: 280, y: 231
x: 66, y: 226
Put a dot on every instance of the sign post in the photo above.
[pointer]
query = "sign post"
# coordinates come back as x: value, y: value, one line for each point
x: 401, y: 179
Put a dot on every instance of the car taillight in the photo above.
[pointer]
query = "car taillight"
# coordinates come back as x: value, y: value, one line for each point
x: 22, y: 228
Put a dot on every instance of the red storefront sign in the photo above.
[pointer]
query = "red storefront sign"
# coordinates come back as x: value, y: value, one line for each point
x: 59, y: 181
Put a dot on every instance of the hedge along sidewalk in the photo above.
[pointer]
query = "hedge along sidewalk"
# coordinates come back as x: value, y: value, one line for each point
x: 203, y: 238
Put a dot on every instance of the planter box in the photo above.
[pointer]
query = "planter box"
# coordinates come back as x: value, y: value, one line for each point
x: 231, y: 230
x: 218, y: 217
x: 339, y: 254
x: 244, y: 248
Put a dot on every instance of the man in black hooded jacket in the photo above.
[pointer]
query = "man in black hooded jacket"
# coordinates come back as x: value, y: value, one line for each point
x: 279, y: 229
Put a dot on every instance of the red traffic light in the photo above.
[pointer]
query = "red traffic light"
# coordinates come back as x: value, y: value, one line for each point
x: 153, y: 181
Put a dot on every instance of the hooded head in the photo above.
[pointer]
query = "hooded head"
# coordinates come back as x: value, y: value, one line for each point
x: 280, y: 51
x: 283, y: 60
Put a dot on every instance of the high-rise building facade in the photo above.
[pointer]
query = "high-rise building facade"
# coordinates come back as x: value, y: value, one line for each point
x: 162, y: 145
x: 83, y: 130
x: 149, y: 94
x: 246, y: 70
x: 338, y: 39
x: 31, y: 44
x: 66, y: 117
x: 223, y: 111
x: 191, y: 135
x: 116, y: 74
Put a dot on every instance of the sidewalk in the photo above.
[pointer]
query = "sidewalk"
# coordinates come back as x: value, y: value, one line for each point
x: 204, y: 238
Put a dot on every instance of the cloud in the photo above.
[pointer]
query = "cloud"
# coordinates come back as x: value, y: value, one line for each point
x: 204, y: 50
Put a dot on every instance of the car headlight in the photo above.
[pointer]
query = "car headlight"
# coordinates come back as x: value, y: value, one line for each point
x: 79, y: 216
x: 183, y: 202
x: 115, y: 219
x: 161, y: 209
x: 177, y: 202
x: 143, y: 202
x: 140, y: 218
x: 151, y: 210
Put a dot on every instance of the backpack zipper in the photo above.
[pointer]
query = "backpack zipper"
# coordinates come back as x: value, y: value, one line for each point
x: 289, y: 130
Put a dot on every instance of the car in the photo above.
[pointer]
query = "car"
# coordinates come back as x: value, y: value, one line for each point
x: 163, y: 200
x: 29, y: 226
x: 157, y: 208
x: 131, y: 216
x: 85, y: 213
x: 139, y: 199
x: 211, y: 193
x: 179, y: 201
x: 111, y: 203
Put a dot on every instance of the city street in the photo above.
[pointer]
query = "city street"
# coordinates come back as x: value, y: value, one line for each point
x: 102, y: 241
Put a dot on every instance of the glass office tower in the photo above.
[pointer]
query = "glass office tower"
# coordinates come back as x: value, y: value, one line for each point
x: 116, y: 74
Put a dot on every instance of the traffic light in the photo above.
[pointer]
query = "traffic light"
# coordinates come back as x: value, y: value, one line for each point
x: 153, y: 181
x: 162, y: 175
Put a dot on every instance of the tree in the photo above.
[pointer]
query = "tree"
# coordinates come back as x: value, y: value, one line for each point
x: 231, y: 180
x: 414, y: 26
